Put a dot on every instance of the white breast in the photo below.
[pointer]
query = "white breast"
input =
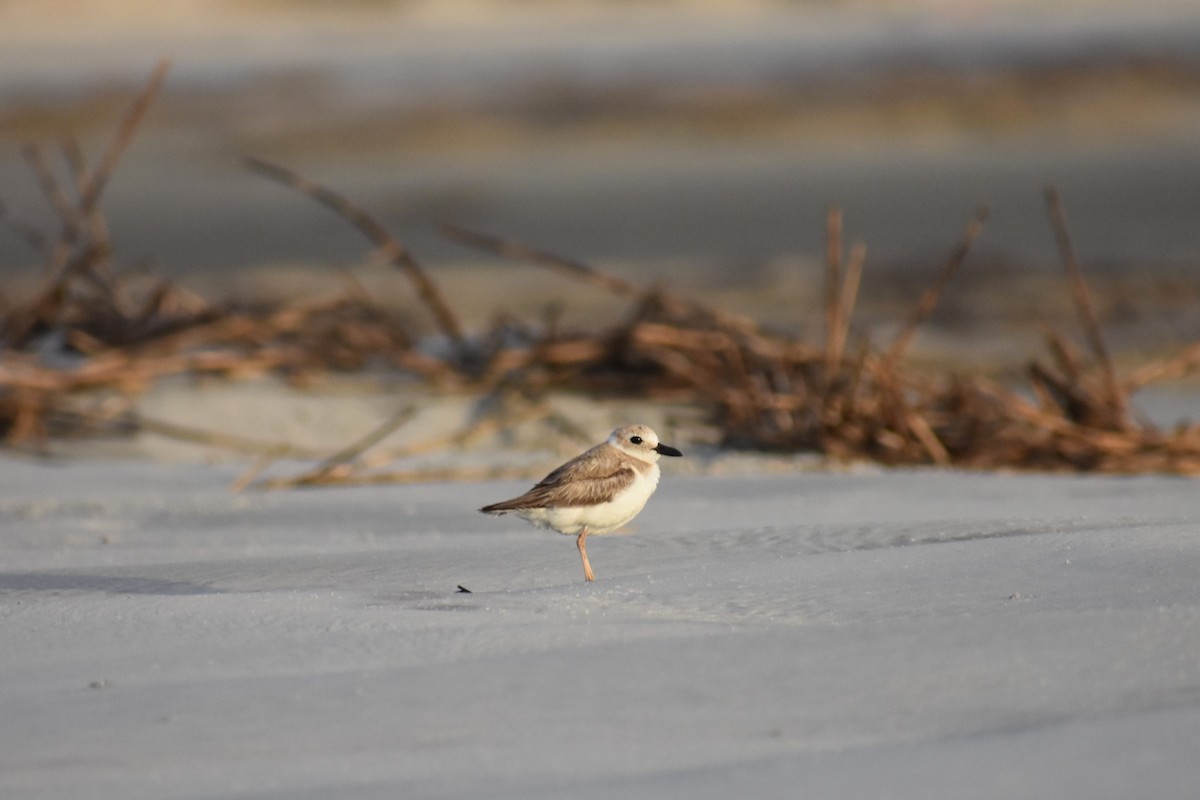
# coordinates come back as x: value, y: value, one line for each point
x: 600, y: 518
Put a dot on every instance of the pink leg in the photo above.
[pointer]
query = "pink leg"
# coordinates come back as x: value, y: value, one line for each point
x: 581, y: 543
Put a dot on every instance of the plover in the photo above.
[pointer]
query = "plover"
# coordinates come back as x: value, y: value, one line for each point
x: 595, y: 492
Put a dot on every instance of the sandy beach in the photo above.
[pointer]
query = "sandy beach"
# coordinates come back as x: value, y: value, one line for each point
x: 678, y: 140
x: 880, y: 633
x: 771, y: 626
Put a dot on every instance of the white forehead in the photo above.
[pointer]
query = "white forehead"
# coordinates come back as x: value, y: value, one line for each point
x: 624, y: 434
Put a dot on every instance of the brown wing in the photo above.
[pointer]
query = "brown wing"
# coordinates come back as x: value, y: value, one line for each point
x: 582, y: 481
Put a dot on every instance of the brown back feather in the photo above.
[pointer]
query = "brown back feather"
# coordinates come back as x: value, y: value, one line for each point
x: 575, y: 483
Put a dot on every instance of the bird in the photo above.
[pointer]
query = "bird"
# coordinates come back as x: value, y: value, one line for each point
x: 596, y: 492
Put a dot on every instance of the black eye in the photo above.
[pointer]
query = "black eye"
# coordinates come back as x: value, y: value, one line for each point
x: 636, y: 439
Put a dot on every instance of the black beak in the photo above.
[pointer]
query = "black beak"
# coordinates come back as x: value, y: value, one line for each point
x: 665, y: 450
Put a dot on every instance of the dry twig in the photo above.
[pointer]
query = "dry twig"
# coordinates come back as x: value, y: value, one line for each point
x: 390, y: 249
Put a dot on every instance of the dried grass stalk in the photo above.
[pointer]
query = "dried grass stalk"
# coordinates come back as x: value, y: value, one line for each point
x: 762, y: 389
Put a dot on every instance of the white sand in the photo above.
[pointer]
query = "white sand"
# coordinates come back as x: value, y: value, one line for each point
x: 892, y: 634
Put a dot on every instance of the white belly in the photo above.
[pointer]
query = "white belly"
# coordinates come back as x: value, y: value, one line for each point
x: 601, y: 518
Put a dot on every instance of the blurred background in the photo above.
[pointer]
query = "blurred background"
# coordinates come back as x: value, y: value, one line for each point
x: 697, y: 142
